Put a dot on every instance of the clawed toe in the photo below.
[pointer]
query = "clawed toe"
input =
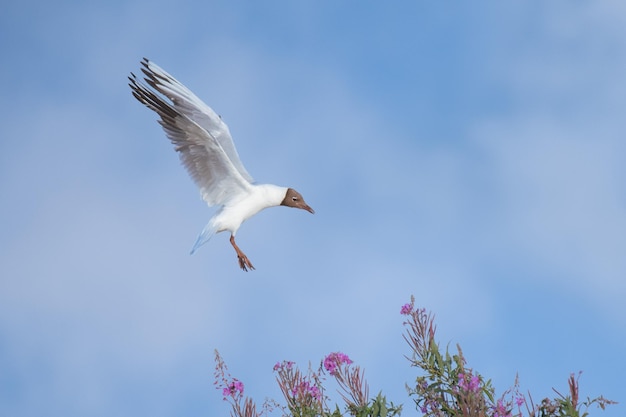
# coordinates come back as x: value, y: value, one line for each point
x: 244, y: 263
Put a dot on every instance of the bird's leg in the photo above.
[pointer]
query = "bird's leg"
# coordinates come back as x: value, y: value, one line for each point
x: 244, y: 262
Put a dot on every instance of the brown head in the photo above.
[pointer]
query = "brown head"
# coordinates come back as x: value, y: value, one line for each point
x: 294, y: 199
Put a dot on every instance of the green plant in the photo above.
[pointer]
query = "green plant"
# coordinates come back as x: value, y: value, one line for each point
x: 444, y: 387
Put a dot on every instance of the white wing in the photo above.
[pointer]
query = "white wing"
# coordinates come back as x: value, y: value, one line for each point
x: 191, y: 106
x: 204, y: 157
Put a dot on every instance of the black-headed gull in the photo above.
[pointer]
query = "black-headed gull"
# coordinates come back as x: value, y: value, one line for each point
x: 207, y: 151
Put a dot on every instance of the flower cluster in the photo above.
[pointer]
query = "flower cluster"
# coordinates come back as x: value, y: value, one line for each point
x: 335, y: 360
x: 234, y: 389
x: 283, y: 366
x: 500, y: 410
x: 306, y: 388
x: 406, y: 309
x: 302, y: 391
x: 469, y: 382
x: 431, y: 407
x: 445, y: 386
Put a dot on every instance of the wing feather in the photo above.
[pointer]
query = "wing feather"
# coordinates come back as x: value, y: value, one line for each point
x: 187, y: 103
x: 201, y: 153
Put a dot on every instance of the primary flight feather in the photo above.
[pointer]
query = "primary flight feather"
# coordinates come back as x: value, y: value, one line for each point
x: 208, y: 153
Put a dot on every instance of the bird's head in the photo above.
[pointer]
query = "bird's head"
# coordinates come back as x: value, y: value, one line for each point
x: 294, y: 199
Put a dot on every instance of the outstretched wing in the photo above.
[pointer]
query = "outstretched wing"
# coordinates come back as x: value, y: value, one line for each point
x: 202, y: 154
x: 191, y: 106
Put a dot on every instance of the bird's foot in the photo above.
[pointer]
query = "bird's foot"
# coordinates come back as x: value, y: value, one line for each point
x: 244, y: 262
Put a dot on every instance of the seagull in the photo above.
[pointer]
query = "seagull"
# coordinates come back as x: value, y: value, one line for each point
x: 207, y: 151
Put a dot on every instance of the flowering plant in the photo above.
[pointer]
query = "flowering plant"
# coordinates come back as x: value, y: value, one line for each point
x: 445, y: 386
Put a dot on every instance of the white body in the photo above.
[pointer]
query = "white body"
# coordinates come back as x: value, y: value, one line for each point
x: 243, y: 206
x: 232, y: 215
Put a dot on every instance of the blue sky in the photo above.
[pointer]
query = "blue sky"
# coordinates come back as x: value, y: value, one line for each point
x: 470, y: 154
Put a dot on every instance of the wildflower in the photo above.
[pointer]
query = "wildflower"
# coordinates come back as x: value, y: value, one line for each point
x: 406, y: 309
x: 334, y: 360
x: 500, y: 410
x: 305, y: 389
x: 430, y: 406
x: 280, y: 366
x: 315, y: 392
x: 474, y: 383
x: 469, y: 382
x: 233, y: 389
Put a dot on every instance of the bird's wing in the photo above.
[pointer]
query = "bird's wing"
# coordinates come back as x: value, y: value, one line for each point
x: 201, y: 153
x: 195, y: 109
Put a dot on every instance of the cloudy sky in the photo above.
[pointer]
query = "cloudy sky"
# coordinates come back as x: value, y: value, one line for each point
x: 472, y: 155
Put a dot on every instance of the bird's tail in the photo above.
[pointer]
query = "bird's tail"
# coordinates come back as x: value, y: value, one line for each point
x: 204, y: 236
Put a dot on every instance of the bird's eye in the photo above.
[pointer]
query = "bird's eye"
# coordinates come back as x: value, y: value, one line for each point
x: 294, y: 198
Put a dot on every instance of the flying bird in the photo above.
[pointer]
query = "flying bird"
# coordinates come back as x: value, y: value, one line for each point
x: 207, y: 151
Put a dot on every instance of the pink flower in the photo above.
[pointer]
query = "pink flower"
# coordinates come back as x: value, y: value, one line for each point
x: 406, y: 309
x: 315, y: 392
x: 233, y: 389
x: 335, y: 360
x: 474, y: 383
x: 283, y: 365
x: 469, y: 382
x: 500, y: 410
x: 306, y: 389
x: 238, y: 386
